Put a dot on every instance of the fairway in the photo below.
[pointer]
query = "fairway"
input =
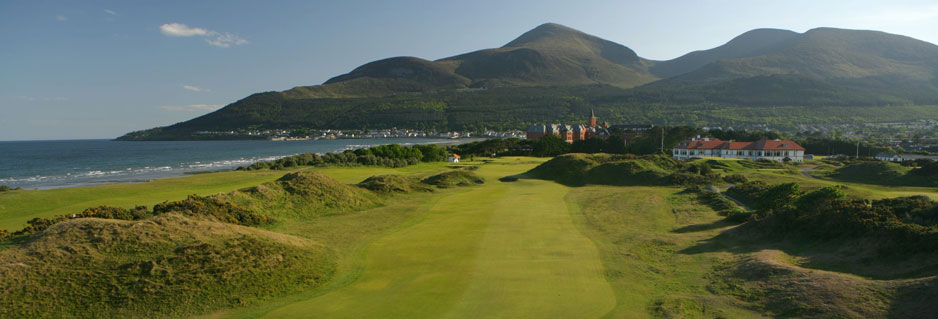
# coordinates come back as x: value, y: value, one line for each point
x: 499, y: 250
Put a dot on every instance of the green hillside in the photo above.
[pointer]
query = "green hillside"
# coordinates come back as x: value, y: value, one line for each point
x: 843, y: 62
x: 752, y: 43
x: 555, y: 73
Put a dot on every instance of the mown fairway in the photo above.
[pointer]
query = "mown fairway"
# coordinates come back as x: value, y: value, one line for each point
x: 506, y: 250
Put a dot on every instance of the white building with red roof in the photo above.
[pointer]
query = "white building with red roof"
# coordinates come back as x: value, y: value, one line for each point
x: 776, y: 150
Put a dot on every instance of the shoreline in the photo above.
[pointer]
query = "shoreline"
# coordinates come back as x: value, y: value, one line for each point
x: 135, y: 175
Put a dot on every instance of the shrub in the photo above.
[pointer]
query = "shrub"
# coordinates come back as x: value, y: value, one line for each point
x: 735, y: 179
x: 454, y: 178
x: 508, y: 179
x: 687, y: 179
x: 393, y: 183
x: 212, y: 207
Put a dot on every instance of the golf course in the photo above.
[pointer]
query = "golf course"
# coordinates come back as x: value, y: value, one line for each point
x: 515, y: 247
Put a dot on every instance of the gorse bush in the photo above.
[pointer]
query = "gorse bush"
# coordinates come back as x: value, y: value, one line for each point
x: 192, y: 206
x: 391, y: 155
x: 221, y: 210
x: 394, y: 184
x: 454, y: 178
x: 901, y: 224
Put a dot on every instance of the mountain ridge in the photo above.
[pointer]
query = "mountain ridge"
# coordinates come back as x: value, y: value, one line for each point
x: 761, y: 67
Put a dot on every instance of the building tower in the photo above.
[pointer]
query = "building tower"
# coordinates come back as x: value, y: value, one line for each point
x: 592, y: 122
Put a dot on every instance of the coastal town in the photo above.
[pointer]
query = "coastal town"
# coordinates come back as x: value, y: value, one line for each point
x: 319, y: 134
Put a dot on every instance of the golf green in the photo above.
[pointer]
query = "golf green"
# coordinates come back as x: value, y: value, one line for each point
x: 498, y: 250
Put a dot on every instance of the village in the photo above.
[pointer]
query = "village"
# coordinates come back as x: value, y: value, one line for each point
x: 318, y: 134
x: 780, y: 150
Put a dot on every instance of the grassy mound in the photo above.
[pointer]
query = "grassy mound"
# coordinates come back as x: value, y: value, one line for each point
x: 302, y: 194
x: 394, y: 184
x: 880, y: 173
x: 169, y: 265
x: 454, y: 178
x: 608, y: 169
x: 787, y: 291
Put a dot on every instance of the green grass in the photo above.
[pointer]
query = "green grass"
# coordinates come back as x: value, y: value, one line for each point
x: 490, y: 251
x: 641, y: 232
x: 19, y: 206
x: 16, y: 207
x: 168, y: 265
x: 527, y: 248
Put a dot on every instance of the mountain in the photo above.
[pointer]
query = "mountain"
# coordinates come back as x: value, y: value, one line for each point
x: 830, y: 63
x: 752, y: 43
x: 548, y: 55
x: 828, y: 53
x: 555, y: 73
x: 553, y: 54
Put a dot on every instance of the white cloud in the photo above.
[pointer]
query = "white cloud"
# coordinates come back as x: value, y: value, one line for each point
x: 226, y: 40
x: 61, y: 18
x: 182, y: 30
x: 192, y: 107
x: 215, y: 38
x: 194, y: 88
x: 111, y: 12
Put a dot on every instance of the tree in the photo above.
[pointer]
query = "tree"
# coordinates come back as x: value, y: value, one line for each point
x: 819, y: 197
x: 614, y: 145
x: 779, y: 197
x: 550, y: 145
x: 590, y: 145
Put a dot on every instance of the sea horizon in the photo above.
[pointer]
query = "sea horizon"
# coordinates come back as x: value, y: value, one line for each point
x: 49, y: 164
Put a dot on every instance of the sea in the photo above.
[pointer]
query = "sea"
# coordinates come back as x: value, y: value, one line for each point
x: 71, y: 163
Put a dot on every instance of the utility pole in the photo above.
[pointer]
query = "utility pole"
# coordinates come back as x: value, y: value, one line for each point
x: 662, y: 140
x: 858, y: 149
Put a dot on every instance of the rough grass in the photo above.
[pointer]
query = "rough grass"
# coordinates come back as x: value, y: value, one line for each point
x: 507, y: 249
x: 454, y: 178
x: 394, y: 184
x: 20, y: 206
x: 302, y: 195
x: 641, y: 233
x: 609, y: 169
x: 167, y: 266
x: 880, y: 173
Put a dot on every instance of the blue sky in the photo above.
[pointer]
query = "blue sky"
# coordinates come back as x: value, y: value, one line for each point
x: 98, y: 69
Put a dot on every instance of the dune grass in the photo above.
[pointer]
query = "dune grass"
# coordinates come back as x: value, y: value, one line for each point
x: 641, y: 232
x: 532, y: 248
x: 19, y: 206
x: 167, y: 266
x: 16, y: 207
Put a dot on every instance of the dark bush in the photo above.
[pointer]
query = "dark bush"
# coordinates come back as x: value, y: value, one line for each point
x: 212, y: 207
x: 735, y: 179
x: 688, y: 179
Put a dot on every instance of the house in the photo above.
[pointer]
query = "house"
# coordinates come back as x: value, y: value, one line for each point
x: 454, y: 158
x: 578, y: 132
x: 891, y: 157
x: 776, y: 150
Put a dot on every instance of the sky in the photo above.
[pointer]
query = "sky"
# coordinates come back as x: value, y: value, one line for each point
x: 99, y: 69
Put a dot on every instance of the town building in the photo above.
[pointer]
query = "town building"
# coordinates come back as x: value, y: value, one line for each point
x: 892, y: 157
x: 453, y: 158
x: 776, y: 150
x: 576, y: 132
